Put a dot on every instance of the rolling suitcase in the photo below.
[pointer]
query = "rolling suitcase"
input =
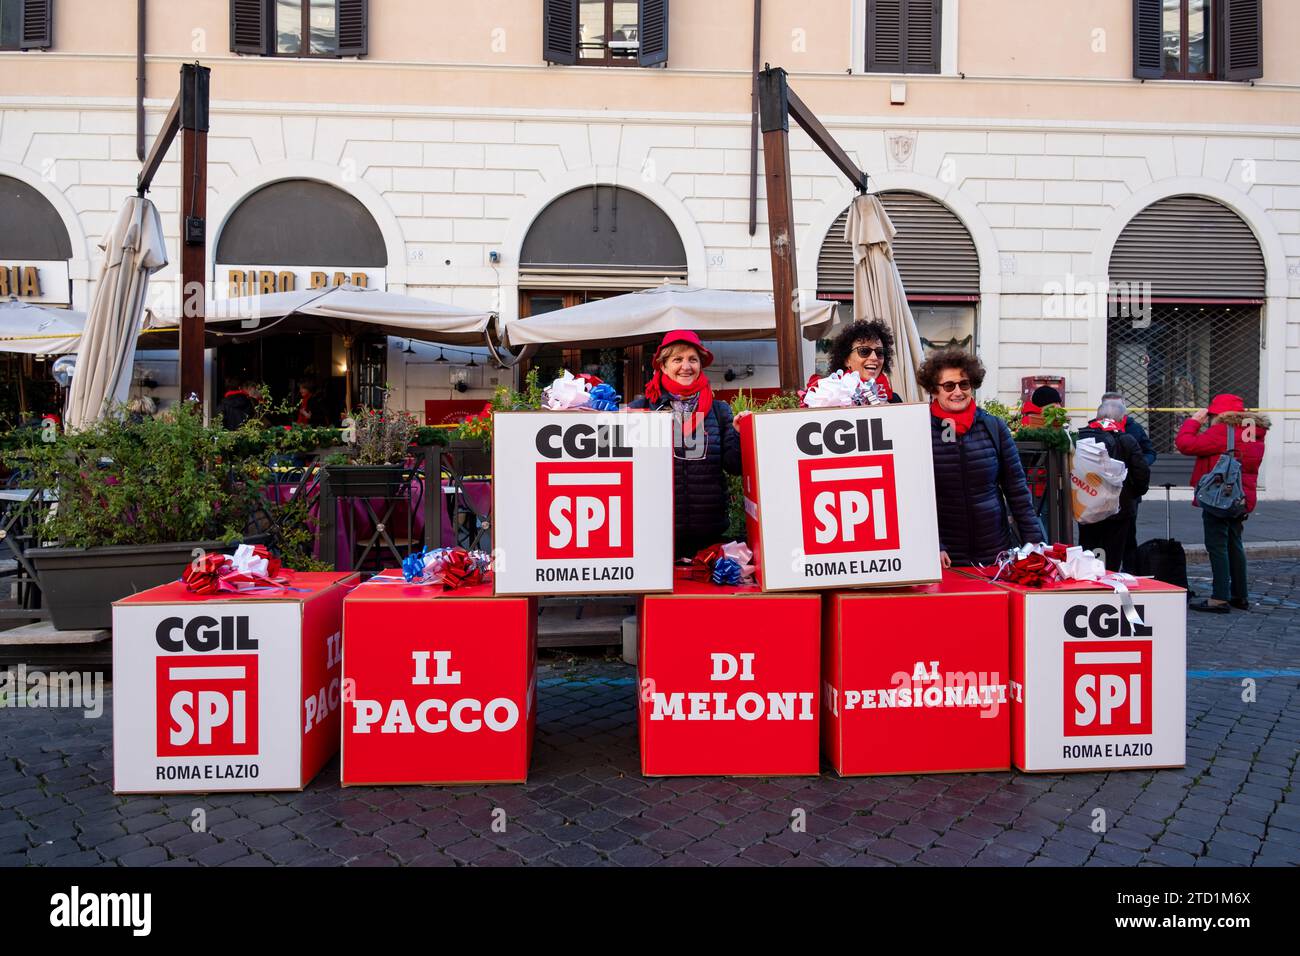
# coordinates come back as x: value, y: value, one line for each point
x: 1164, y: 558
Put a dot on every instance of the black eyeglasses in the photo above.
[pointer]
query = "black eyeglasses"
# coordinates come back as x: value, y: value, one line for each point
x: 866, y: 351
x: 964, y: 385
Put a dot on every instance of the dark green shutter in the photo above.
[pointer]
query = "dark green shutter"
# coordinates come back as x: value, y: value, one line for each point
x: 353, y: 19
x: 1148, y: 39
x: 1241, y: 40
x: 250, y: 27
x: 560, y: 31
x: 38, y: 25
x: 652, y: 29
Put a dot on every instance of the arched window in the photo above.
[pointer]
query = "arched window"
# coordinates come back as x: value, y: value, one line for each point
x: 1187, y: 285
x: 936, y: 258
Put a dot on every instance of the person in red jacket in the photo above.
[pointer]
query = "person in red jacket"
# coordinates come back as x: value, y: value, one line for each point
x: 1223, y: 535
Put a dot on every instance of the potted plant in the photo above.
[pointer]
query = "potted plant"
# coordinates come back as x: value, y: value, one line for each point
x: 135, y: 498
x: 376, y: 464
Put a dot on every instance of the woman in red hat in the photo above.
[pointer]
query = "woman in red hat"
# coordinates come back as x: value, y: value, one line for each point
x: 1223, y: 535
x: 706, y: 445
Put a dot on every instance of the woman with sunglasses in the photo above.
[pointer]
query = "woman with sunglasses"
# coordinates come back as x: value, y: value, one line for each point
x: 706, y: 445
x: 977, y: 471
x: 868, y: 349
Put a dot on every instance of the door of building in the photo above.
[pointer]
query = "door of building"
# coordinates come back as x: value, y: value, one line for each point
x: 624, y: 367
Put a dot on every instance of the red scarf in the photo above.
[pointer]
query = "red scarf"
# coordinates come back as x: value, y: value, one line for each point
x: 661, y: 383
x: 962, y: 421
x: 233, y: 391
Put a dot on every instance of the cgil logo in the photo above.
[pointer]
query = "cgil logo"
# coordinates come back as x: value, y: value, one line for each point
x: 205, y: 633
x: 1104, y: 620
x: 76, y: 909
x: 582, y: 441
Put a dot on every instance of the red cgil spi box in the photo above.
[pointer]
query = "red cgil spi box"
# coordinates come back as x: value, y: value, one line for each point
x: 1092, y: 688
x: 728, y: 681
x: 229, y: 691
x: 442, y: 685
x: 916, y: 679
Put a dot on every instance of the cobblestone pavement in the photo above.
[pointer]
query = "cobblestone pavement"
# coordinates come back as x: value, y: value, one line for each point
x: 585, y: 803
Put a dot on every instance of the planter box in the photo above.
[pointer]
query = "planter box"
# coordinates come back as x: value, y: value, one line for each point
x: 79, y: 585
x: 366, y: 481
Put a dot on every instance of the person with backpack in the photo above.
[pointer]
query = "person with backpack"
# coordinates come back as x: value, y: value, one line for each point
x: 1228, y: 455
x: 979, y: 482
x: 1111, y: 534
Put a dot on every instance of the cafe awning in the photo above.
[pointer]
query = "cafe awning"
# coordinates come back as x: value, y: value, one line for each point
x: 716, y: 314
x: 341, y: 310
x: 36, y: 330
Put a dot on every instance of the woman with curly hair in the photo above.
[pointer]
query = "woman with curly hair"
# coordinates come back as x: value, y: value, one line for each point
x: 978, y: 479
x: 868, y: 349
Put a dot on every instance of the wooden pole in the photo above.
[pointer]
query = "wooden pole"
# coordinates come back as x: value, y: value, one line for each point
x: 774, y: 119
x: 753, y: 122
x: 193, y: 121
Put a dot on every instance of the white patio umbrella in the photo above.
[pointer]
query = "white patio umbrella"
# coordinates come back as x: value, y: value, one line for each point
x: 878, y: 290
x: 713, y: 313
x: 36, y: 330
x: 133, y: 250
x: 344, y: 310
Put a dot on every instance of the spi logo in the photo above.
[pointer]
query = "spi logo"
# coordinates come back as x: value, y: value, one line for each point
x: 207, y: 706
x: 1108, y: 689
x: 584, y: 510
x: 848, y: 504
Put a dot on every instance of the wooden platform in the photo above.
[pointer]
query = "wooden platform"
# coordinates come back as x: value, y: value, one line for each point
x: 582, y: 622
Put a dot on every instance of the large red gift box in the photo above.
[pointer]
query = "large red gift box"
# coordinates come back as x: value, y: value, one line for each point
x: 728, y: 681
x: 442, y: 685
x: 1092, y: 690
x: 916, y: 679
x: 227, y: 691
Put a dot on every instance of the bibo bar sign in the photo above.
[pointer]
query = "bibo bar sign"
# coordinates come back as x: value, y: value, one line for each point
x: 582, y: 502
x: 1092, y: 689
x: 442, y: 685
x: 840, y: 497
x: 227, y: 691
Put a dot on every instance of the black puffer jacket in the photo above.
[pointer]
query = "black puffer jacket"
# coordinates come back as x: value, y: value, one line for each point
x: 971, y: 476
x: 700, y: 483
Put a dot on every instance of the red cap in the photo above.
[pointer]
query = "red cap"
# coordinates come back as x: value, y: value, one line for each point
x: 1225, y: 402
x: 686, y: 337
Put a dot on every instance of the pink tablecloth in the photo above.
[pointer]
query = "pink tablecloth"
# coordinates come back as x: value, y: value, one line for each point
x: 479, y: 494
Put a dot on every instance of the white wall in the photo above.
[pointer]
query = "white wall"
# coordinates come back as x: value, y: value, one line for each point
x: 1042, y: 201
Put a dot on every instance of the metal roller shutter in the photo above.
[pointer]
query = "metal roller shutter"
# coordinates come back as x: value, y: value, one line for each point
x: 935, y: 253
x: 1190, y: 247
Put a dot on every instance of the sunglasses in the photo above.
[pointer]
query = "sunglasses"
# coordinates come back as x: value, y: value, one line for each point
x: 866, y: 351
x: 964, y: 385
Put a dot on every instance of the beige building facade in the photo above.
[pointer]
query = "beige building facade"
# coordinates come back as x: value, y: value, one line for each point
x: 1019, y: 126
